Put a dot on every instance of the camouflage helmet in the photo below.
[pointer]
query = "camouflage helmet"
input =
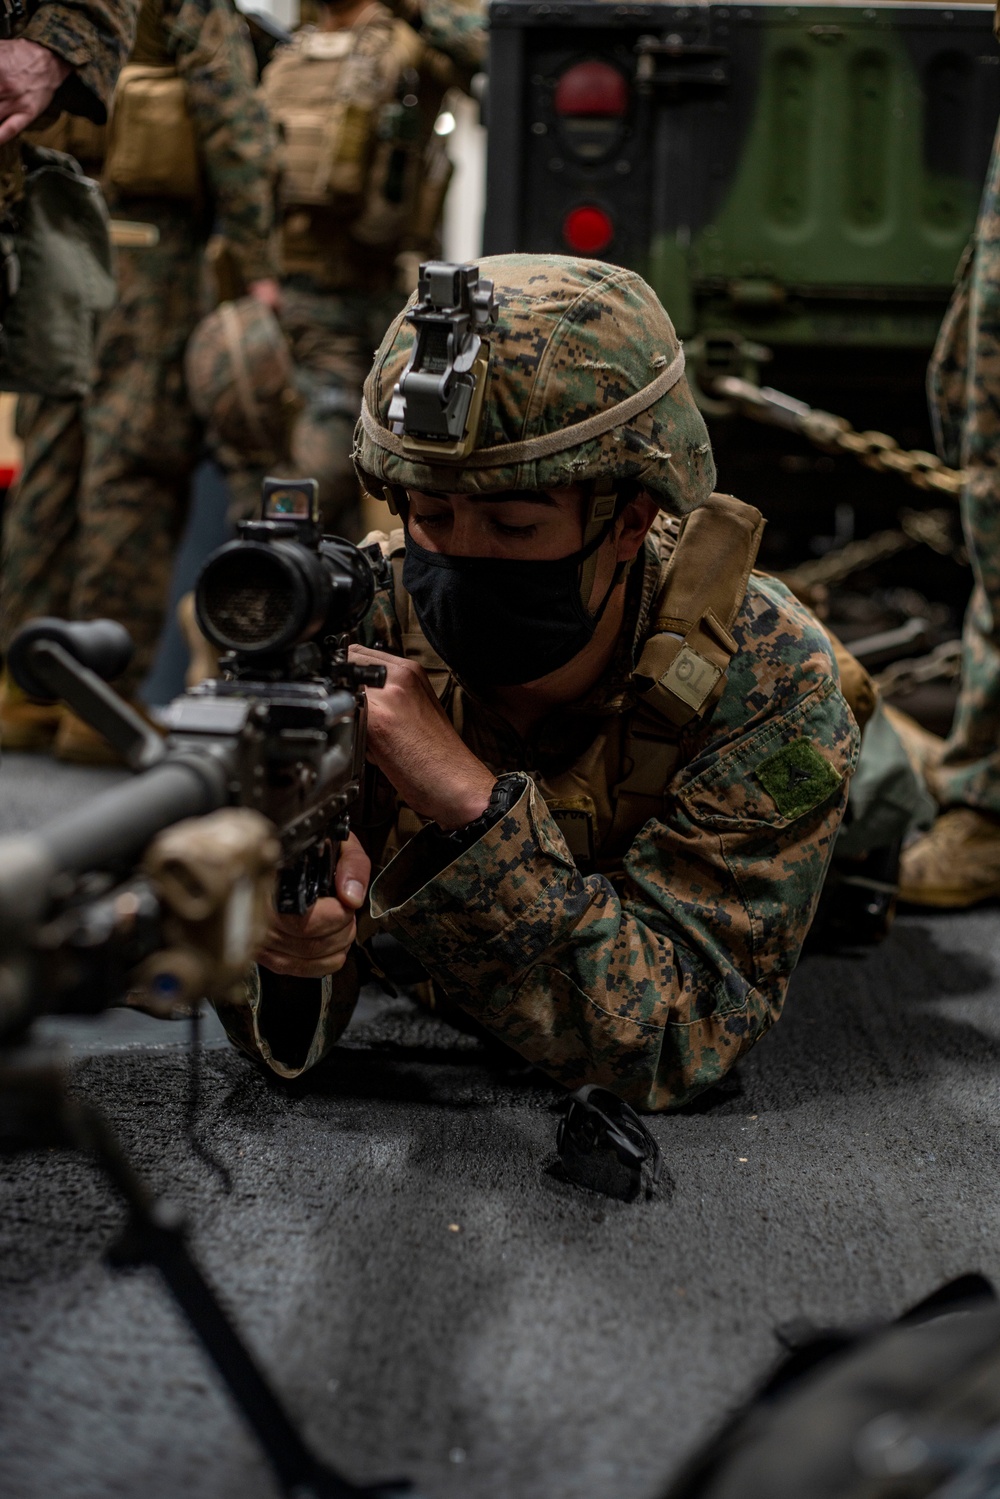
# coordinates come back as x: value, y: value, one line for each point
x: 240, y: 378
x: 574, y: 341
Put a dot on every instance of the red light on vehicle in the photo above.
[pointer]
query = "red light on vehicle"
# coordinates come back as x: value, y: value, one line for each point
x: 587, y: 230
x: 592, y: 88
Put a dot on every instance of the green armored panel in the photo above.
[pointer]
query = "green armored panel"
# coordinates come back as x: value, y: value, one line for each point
x: 802, y: 174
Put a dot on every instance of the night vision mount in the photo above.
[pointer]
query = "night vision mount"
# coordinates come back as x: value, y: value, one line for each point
x: 437, y: 404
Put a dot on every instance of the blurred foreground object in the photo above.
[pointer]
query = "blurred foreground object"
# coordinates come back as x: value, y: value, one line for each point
x: 159, y: 892
x: 908, y: 1411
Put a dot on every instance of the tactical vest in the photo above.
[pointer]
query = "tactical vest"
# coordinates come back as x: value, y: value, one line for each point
x: 834, y: 1418
x: 620, y: 781
x: 361, y: 169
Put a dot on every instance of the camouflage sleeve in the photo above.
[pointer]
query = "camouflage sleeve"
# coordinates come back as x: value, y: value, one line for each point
x: 94, y: 37
x: 656, y: 991
x: 213, y: 55
x: 455, y: 27
x: 289, y: 1044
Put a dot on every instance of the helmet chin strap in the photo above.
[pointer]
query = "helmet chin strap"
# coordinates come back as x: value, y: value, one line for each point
x: 601, y: 513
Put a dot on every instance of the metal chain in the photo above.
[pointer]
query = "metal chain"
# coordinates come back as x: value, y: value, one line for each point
x: 928, y: 527
x: 879, y: 451
x: 944, y: 664
x: 834, y: 434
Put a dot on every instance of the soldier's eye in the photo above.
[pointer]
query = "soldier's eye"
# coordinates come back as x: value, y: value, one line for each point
x: 429, y: 521
x: 522, y: 532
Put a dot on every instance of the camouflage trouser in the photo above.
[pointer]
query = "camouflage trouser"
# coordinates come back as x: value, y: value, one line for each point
x: 964, y: 384
x: 332, y: 337
x: 92, y: 527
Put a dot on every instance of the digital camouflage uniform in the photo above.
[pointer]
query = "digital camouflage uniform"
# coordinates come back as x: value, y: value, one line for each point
x: 655, y: 965
x: 343, y: 280
x: 965, y: 399
x: 101, y: 541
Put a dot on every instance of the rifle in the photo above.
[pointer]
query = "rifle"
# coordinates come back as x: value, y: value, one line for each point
x: 163, y: 884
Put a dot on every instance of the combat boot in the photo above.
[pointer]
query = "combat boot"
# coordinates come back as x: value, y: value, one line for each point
x: 26, y: 724
x: 956, y: 864
x: 923, y: 749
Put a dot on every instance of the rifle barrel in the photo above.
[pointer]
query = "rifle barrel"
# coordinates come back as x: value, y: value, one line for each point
x: 107, y: 833
x: 109, y: 830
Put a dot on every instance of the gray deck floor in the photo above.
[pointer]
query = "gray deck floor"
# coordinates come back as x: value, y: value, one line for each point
x: 429, y: 1299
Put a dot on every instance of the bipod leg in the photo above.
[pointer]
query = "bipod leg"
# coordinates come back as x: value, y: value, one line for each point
x: 36, y: 1110
x: 155, y: 1235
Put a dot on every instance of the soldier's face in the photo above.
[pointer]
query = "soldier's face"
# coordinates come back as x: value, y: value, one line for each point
x: 501, y: 600
x: 526, y: 525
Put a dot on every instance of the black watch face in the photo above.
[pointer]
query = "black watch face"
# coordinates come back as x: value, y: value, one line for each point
x: 506, y: 793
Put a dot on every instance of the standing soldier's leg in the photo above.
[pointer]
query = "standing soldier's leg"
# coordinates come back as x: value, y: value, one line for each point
x: 244, y: 484
x: 958, y: 862
x: 332, y: 335
x: 142, y: 442
x: 39, y: 522
x: 39, y: 531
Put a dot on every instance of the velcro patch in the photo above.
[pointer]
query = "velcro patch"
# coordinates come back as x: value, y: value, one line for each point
x: 575, y: 820
x: 797, y: 778
x: 691, y: 677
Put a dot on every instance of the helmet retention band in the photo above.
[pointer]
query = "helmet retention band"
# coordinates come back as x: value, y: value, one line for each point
x: 533, y: 448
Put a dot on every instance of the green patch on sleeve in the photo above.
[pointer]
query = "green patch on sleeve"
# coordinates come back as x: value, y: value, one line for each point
x: 797, y: 778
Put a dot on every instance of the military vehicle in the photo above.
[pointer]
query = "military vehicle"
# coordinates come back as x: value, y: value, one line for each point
x: 804, y: 176
x: 798, y: 182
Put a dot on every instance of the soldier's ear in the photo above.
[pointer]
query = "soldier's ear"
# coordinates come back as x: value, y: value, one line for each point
x: 633, y: 523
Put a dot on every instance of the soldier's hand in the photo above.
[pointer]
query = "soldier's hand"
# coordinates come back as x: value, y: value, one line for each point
x: 29, y: 77
x: 318, y: 943
x: 414, y: 745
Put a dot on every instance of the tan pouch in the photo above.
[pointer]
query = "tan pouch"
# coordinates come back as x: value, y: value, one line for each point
x: 381, y: 222
x: 433, y: 189
x: 684, y: 661
x: 349, y: 156
x: 152, y: 146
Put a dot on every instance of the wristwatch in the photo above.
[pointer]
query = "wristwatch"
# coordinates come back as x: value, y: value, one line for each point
x: 506, y: 793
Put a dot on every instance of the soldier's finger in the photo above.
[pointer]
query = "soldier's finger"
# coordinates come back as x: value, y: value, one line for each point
x: 13, y: 125
x: 326, y: 919
x: 354, y: 870
x: 314, y: 949
x: 401, y: 670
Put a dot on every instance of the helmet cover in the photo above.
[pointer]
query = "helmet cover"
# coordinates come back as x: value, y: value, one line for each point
x: 573, y: 339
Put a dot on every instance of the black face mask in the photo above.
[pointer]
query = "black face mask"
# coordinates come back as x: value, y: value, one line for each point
x: 498, y: 622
